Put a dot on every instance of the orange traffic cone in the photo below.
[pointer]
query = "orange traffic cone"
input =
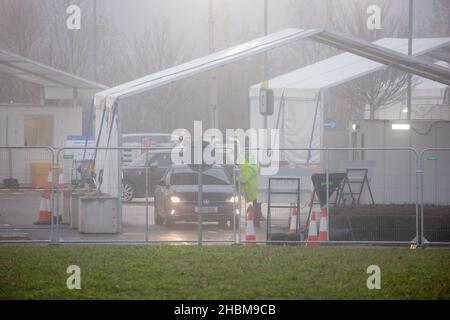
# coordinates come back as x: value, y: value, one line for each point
x: 323, y: 230
x: 312, y: 231
x: 293, y: 222
x: 250, y: 232
x: 61, y: 179
x: 45, y: 211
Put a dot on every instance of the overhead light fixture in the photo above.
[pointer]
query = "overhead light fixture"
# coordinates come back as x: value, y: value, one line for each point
x: 405, y: 110
x: 354, y: 127
x: 401, y: 126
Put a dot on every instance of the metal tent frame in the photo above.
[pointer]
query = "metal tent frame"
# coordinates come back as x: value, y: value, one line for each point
x: 111, y: 99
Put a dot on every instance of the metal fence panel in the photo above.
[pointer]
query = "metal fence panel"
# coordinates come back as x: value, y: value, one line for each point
x: 26, y: 194
x: 400, y: 181
x: 435, y: 196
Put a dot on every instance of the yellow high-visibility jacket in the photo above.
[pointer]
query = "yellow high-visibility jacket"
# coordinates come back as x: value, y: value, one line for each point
x: 249, y: 180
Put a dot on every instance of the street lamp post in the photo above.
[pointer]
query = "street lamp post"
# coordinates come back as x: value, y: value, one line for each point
x: 266, y: 31
x: 410, y: 33
x: 214, y: 102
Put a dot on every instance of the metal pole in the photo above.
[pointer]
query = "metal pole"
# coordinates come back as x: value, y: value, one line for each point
x: 410, y: 32
x: 213, y: 92
x: 54, y: 201
x: 119, y: 163
x: 234, y: 205
x: 240, y: 206
x: 95, y: 40
x: 10, y: 165
x: 200, y: 204
x: 146, y: 196
x: 266, y: 31
x: 327, y: 169
x: 419, y: 173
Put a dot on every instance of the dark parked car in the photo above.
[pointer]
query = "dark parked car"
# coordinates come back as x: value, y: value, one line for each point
x: 133, y: 180
x: 176, y: 196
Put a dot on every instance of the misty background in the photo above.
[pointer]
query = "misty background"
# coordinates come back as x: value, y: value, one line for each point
x: 123, y: 40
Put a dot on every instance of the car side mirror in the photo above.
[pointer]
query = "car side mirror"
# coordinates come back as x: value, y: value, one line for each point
x: 162, y: 183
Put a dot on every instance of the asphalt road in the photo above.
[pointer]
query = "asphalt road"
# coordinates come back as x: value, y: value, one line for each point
x: 19, y: 210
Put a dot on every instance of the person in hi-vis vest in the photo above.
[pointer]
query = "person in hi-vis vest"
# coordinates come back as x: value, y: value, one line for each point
x: 249, y: 180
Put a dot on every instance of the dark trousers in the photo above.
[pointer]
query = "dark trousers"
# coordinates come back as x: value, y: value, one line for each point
x: 258, y: 212
x: 257, y: 208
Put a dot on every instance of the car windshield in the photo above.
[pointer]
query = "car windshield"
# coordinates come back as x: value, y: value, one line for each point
x: 213, y: 176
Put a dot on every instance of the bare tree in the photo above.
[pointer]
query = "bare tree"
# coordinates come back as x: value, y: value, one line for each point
x: 157, y: 49
x: 376, y: 91
x: 382, y: 88
x: 20, y: 30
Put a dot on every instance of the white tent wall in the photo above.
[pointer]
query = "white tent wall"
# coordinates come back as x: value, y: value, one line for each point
x: 295, y: 124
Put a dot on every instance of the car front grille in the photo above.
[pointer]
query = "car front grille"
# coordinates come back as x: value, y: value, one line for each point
x: 211, y: 197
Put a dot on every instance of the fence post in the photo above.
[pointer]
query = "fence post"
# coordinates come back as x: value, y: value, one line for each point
x: 327, y: 169
x: 200, y: 204
x: 54, y: 236
x: 419, y: 190
x: 146, y: 196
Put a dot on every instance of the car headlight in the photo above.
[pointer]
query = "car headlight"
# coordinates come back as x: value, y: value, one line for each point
x: 174, y: 199
x: 234, y: 199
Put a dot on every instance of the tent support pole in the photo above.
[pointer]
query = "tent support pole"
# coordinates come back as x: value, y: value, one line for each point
x: 318, y: 102
x: 119, y: 163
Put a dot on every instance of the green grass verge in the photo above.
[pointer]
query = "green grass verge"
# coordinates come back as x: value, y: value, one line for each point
x: 222, y: 272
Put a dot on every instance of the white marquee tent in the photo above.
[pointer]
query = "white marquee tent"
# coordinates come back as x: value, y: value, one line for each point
x: 109, y: 102
x: 298, y: 94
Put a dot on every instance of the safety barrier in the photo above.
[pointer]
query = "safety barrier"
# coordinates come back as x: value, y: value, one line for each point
x: 384, y: 196
x: 435, y: 196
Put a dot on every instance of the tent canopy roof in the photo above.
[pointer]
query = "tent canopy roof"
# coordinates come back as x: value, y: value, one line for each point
x: 57, y: 84
x: 347, y: 66
x: 199, y: 65
x: 359, y: 47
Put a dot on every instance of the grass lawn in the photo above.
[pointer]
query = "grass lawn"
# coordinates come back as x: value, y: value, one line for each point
x: 222, y: 272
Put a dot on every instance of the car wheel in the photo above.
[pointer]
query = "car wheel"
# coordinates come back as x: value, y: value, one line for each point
x: 158, y: 219
x: 232, y: 223
x: 223, y: 223
x: 127, y: 192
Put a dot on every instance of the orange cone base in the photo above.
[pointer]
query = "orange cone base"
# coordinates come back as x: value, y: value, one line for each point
x: 312, y: 244
x: 250, y: 238
x: 44, y: 217
x: 323, y: 235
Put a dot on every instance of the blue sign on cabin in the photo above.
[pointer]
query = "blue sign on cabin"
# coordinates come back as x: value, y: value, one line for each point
x: 329, y: 124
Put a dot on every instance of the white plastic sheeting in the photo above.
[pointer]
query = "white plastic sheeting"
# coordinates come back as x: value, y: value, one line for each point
x: 296, y: 122
x: 301, y: 89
